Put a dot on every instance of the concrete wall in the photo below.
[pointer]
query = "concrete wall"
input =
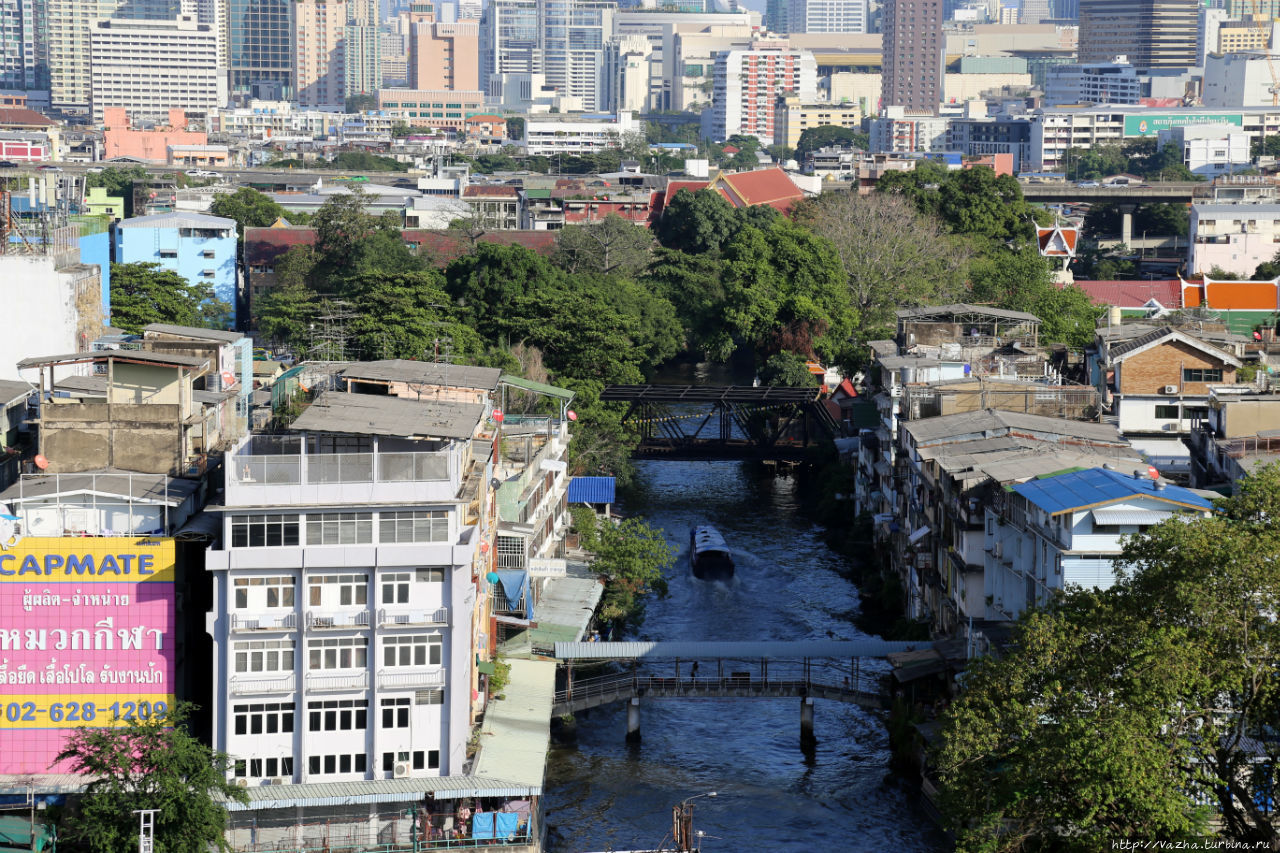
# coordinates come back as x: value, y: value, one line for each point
x: 143, y: 383
x: 1249, y: 417
x: 48, y: 310
x: 81, y: 437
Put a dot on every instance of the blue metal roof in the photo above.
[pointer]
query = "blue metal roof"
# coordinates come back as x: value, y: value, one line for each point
x: 1096, y: 486
x: 591, y: 490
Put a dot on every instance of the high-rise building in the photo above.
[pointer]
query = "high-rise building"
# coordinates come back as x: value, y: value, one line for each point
x: 913, y: 55
x: 1153, y: 34
x: 1034, y: 11
x: 362, y: 59
x: 1244, y: 8
x: 1065, y: 10
x: 827, y: 16
x: 70, y: 25
x: 777, y: 16
x: 509, y: 42
x: 150, y: 67
x: 563, y: 40
x: 24, y: 45
x: 262, y: 49
x: 442, y: 56
x: 748, y: 83
x: 319, y: 27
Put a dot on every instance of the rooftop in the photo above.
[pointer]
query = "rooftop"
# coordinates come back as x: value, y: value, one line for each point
x: 130, y: 356
x: 13, y: 389
x: 1133, y: 294
x: 1098, y: 486
x: 1168, y: 334
x: 517, y: 726
x: 991, y: 423
x: 194, y: 332
x: 425, y: 372
x: 178, y: 219
x: 931, y: 312
x: 365, y: 414
x: 148, y: 488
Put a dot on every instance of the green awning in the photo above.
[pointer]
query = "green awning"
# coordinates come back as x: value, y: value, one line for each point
x: 486, y: 666
x: 536, y: 387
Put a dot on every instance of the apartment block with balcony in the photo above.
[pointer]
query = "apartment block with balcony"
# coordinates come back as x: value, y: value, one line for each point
x: 346, y: 586
x: 1238, y: 434
x: 1233, y: 237
x: 198, y: 247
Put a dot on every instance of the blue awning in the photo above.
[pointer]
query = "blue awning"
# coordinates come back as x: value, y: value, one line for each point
x: 591, y: 490
x: 515, y: 586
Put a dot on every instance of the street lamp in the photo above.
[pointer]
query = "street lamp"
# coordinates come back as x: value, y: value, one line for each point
x: 682, y: 823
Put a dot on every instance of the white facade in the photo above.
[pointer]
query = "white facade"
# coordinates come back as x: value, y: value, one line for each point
x: 570, y: 136
x: 1212, y: 149
x: 748, y: 83
x: 1234, y: 237
x: 58, y: 300
x: 342, y: 625
x: 897, y: 132
x: 1096, y: 83
x: 827, y: 16
x: 150, y: 67
x: 1237, y: 80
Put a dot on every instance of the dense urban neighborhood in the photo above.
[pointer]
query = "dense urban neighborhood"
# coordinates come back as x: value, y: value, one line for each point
x: 485, y: 424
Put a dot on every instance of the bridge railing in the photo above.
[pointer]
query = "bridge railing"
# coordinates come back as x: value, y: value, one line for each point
x: 733, y: 675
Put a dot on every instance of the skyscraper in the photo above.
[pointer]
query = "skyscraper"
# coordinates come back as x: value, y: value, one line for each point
x: 24, y: 45
x: 827, y: 16
x: 320, y: 58
x: 913, y: 47
x: 563, y: 40
x: 1035, y: 11
x: 262, y: 48
x: 1151, y: 33
x: 442, y: 56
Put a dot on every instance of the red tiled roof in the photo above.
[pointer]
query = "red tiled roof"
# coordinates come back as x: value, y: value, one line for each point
x: 23, y: 117
x: 731, y: 149
x: 1045, y: 236
x: 1133, y: 294
x: 674, y: 187
x: 763, y: 186
x: 498, y: 191
x: 262, y: 246
x: 846, y: 387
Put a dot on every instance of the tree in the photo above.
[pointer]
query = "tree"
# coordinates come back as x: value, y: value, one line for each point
x: 1267, y: 146
x: 974, y: 202
x: 515, y: 127
x: 613, y: 245
x: 631, y: 556
x: 697, y: 222
x: 142, y: 294
x: 788, y: 370
x: 362, y: 102
x: 813, y: 138
x: 148, y: 764
x: 1268, y: 270
x: 893, y: 256
x: 249, y: 208
x: 1021, y: 280
x: 1220, y: 274
x: 119, y: 182
x: 349, y: 240
x: 407, y: 315
x: 363, y: 161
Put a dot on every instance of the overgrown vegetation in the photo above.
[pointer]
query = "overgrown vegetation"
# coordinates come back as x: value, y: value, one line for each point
x: 633, y: 559
x: 142, y: 294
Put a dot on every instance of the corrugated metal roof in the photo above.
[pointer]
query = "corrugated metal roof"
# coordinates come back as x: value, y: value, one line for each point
x: 1084, y: 489
x: 163, y: 358
x: 149, y: 488
x: 569, y: 602
x: 990, y: 423
x: 365, y: 414
x: 44, y: 783
x: 744, y: 650
x: 1129, y: 516
x: 426, y: 372
x: 539, y: 387
x: 193, y: 331
x: 592, y: 490
x: 12, y: 389
x: 377, y: 791
x: 964, y: 308
x: 178, y: 220
x: 517, y: 726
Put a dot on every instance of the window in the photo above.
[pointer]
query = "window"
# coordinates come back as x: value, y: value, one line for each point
x: 395, y: 588
x: 257, y: 531
x: 340, y: 528
x: 415, y: 526
x: 413, y: 650
x: 264, y: 656
x: 338, y: 653
x: 269, y: 718
x: 395, y: 713
x: 429, y: 697
x: 1201, y: 374
x: 337, y: 715
x: 1167, y: 412
x: 319, y: 765
x: 429, y: 760
x: 260, y: 767
x: 351, y: 590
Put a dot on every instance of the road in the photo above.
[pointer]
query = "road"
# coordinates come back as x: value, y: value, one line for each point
x: 1159, y: 192
x: 288, y: 177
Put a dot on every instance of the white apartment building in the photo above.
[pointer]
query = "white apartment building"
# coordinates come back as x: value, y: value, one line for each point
x: 1068, y: 529
x: 664, y: 30
x: 899, y: 132
x: 345, y: 590
x: 1236, y: 80
x: 263, y: 120
x: 1093, y: 83
x: 569, y: 135
x: 748, y: 83
x: 149, y: 67
x: 1210, y: 149
x: 827, y: 16
x: 1234, y: 237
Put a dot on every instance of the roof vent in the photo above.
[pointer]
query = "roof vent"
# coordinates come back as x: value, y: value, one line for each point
x: 1107, y: 466
x: 1157, y: 485
x: 1138, y: 475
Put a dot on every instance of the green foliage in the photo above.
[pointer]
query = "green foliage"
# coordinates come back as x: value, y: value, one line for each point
x: 423, y: 317
x: 692, y: 283
x: 515, y: 127
x: 363, y: 161
x: 287, y: 163
x: 362, y: 102
x: 633, y: 559
x: 1105, y: 220
x: 350, y: 241
x: 147, y: 764
x: 1223, y: 275
x: 142, y: 294
x: 1021, y: 281
x: 813, y: 138
x: 119, y: 182
x: 1267, y: 146
x: 974, y: 202
x: 612, y: 246
x: 1268, y: 269
x: 1141, y: 157
x: 1113, y: 710
x: 696, y: 222
x: 249, y: 208
x: 788, y: 370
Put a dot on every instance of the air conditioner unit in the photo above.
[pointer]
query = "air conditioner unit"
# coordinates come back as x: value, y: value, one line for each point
x: 401, y: 770
x: 1171, y: 389
x: 242, y: 783
x: 998, y: 550
x: 276, y: 781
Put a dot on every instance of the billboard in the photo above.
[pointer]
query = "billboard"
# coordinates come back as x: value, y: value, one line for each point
x: 87, y: 638
x: 1149, y: 125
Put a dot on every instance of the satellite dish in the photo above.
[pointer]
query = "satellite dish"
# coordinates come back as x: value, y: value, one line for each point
x: 492, y: 577
x: 1152, y: 472
x: 497, y: 415
x: 484, y: 547
x: 572, y: 415
x: 41, y: 462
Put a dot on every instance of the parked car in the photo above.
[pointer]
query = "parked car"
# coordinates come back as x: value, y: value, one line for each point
x: 94, y: 170
x: 8, y: 164
x: 48, y: 167
x: 1088, y: 185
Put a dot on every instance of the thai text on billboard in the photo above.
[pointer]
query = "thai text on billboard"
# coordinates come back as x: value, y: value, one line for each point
x: 87, y: 638
x: 1150, y: 125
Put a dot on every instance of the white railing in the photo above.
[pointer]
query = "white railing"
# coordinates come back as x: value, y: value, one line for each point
x: 347, y: 681
x: 264, y: 622
x: 322, y: 468
x: 439, y: 616
x: 338, y: 619
x: 258, y: 683
x: 389, y: 679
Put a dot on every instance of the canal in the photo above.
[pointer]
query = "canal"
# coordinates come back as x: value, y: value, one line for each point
x: 605, y: 795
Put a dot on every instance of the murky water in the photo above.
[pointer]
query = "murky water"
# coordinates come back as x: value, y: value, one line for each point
x: 605, y: 795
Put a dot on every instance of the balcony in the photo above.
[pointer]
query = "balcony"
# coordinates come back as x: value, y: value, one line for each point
x: 244, y: 684
x: 390, y: 679
x: 392, y: 618
x: 316, y: 682
x: 337, y: 619
x: 279, y: 471
x: 264, y: 621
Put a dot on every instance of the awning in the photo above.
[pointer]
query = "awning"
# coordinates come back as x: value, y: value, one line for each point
x: 515, y: 585
x: 918, y: 535
x: 1129, y: 517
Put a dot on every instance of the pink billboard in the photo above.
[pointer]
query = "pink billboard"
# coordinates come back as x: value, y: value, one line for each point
x: 87, y: 638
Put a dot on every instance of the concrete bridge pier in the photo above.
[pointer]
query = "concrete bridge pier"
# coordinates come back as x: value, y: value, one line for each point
x: 633, y: 721
x: 1126, y: 223
x: 808, y: 742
